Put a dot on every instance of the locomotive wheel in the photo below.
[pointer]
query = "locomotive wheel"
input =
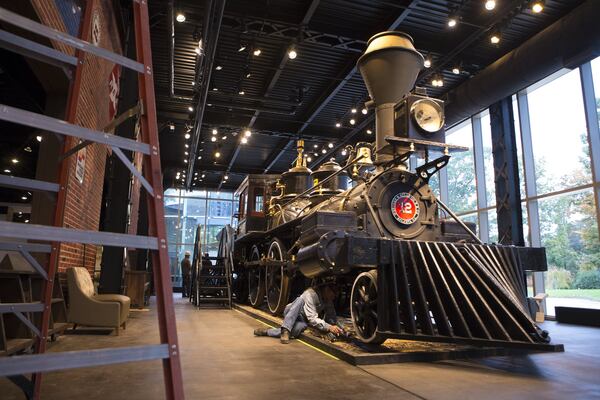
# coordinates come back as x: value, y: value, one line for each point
x: 277, y: 282
x: 363, y: 308
x: 256, y: 287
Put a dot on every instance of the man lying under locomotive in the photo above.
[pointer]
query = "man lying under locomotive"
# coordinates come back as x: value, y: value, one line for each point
x: 312, y: 308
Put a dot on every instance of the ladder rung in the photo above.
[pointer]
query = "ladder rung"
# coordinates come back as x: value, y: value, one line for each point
x: 31, y: 49
x: 24, y: 183
x: 31, y: 247
x: 18, y: 365
x: 212, y: 276
x: 215, y: 299
x: 46, y: 123
x: 55, y: 234
x: 43, y: 30
x: 21, y: 307
x: 213, y: 287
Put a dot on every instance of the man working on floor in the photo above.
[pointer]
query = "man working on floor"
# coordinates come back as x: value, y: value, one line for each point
x: 305, y: 311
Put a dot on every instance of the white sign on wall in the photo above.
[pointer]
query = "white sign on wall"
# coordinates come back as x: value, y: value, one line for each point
x: 80, y: 166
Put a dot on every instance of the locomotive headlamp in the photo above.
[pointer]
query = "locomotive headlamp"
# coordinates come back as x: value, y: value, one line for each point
x: 428, y: 115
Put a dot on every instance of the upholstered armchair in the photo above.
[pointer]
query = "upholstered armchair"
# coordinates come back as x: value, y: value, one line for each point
x: 91, y: 309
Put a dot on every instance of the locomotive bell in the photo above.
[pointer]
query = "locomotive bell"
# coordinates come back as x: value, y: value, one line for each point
x: 389, y: 67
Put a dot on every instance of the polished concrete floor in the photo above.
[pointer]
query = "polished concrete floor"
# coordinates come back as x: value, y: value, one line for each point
x: 222, y: 360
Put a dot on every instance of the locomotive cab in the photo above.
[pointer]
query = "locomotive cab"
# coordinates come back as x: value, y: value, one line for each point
x: 254, y: 194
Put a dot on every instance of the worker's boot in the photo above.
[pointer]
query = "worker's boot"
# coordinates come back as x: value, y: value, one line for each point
x: 285, y: 336
x: 260, y: 332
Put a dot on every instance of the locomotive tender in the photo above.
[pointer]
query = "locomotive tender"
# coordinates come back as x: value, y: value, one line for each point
x: 409, y: 272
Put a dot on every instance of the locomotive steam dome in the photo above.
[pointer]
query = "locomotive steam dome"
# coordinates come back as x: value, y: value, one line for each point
x: 389, y: 67
x: 335, y: 185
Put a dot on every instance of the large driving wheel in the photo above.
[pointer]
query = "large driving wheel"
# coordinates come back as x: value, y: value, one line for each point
x: 277, y: 281
x: 256, y: 287
x: 363, y: 308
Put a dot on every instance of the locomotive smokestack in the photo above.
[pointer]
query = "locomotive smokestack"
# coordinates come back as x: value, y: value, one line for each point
x: 389, y: 68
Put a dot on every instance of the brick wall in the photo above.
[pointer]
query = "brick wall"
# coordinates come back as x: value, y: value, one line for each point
x: 83, y: 202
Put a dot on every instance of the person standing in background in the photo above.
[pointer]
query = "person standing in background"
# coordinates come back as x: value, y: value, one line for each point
x: 186, y: 269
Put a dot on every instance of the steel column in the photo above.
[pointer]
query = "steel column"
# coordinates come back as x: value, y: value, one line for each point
x: 506, y: 173
x: 480, y: 185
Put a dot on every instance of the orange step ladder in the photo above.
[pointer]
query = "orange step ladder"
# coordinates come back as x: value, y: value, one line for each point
x: 17, y: 367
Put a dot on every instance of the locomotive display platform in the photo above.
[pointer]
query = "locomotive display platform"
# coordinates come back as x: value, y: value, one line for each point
x: 392, y: 351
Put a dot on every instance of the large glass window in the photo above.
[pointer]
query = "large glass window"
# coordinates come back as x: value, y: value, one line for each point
x: 188, y: 214
x: 462, y: 196
x: 488, y: 159
x: 559, y: 134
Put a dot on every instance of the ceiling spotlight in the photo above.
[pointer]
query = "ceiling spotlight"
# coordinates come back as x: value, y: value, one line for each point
x: 495, y: 38
x: 187, y: 136
x: 38, y: 138
x: 193, y: 83
x: 248, y: 74
x: 452, y: 21
x: 242, y: 48
x: 24, y: 198
x: 226, y: 177
x: 456, y: 70
x: 427, y: 63
x: 203, y: 175
x: 257, y: 52
x: 292, y: 53
x: 248, y: 133
x: 330, y: 145
x: 537, y: 6
x: 7, y: 171
x: 196, y: 173
x: 352, y: 121
x: 197, y: 50
x: 364, y: 111
x: 213, y: 139
x: 369, y: 131
x: 28, y: 149
x: 215, y: 89
x: 218, y: 67
x: 490, y: 5
x: 353, y: 111
x: 217, y: 154
x: 172, y: 127
x: 244, y: 140
x: 224, y: 137
x: 185, y: 161
x: 241, y: 92
x: 14, y: 161
x: 323, y: 151
x: 308, y: 159
x: 190, y: 108
x: 316, y: 154
x: 214, y: 131
x: 186, y: 153
x: 344, y: 152
x: 180, y: 17
x: 199, y: 157
x: 337, y: 124
x: 315, y: 145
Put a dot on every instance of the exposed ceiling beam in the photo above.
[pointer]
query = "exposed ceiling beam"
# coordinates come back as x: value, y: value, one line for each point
x: 351, y: 70
x: 284, y: 59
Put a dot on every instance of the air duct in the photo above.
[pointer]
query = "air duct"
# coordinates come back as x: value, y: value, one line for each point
x: 569, y: 42
x: 389, y: 67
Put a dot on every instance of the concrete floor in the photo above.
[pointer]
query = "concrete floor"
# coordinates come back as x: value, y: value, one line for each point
x: 222, y: 360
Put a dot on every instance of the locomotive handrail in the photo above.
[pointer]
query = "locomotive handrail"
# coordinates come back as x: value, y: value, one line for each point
x: 336, y: 173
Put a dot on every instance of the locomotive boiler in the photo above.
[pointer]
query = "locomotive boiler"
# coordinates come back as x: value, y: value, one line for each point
x: 410, y: 270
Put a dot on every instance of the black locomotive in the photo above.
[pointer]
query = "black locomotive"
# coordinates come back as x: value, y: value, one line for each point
x: 408, y: 272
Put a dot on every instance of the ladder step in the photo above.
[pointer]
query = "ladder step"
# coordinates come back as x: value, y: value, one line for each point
x: 215, y: 299
x: 19, y: 365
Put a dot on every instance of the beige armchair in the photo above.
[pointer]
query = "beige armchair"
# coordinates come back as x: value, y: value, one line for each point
x: 91, y: 309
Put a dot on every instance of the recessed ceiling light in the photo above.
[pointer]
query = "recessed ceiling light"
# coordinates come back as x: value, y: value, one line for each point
x: 257, y: 52
x: 452, y: 22
x: 323, y: 151
x: 330, y: 145
x: 353, y: 111
x: 185, y: 161
x: 364, y: 111
x: 213, y: 139
x: 308, y: 159
x: 38, y: 138
x: 248, y: 133
x: 186, y: 153
x: 14, y: 161
x: 244, y: 140
x: 7, y: 171
x: 242, y: 92
x: 224, y: 137
x: 242, y: 48
x: 180, y: 17
x: 24, y: 198
x: 215, y: 89
x: 315, y: 145
x: 214, y: 131
x: 199, y: 157
x: 337, y: 124
x: 187, y: 145
x: 248, y: 75
x: 344, y: 152
x: 352, y: 121
x: 369, y: 131
x: 28, y: 149
x: 218, y: 67
x: 190, y: 108
x: 537, y: 6
x: 226, y: 177
x: 495, y: 38
x: 427, y: 63
x: 172, y: 127
x: 490, y: 5
x: 217, y: 154
x: 456, y: 70
x: 187, y: 136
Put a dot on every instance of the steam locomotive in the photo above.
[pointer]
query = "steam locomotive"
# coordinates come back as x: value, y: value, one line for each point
x: 375, y: 226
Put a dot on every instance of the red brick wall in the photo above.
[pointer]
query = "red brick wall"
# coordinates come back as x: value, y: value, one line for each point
x: 83, y: 202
